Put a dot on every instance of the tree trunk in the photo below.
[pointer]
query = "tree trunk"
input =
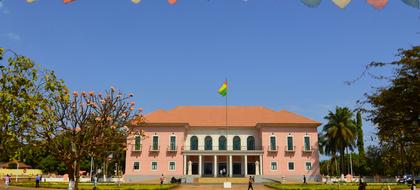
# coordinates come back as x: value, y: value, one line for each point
x: 70, y: 171
x: 342, y: 161
x: 77, y: 177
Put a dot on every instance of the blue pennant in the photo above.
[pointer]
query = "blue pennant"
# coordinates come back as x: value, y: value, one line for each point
x: 413, y: 3
x: 311, y: 3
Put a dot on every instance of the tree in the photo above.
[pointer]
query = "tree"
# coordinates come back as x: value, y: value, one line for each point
x: 395, y: 107
x: 87, y: 124
x: 360, y: 142
x: 339, y: 133
x: 24, y: 92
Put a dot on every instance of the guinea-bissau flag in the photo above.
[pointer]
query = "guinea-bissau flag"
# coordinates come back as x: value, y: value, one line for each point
x: 223, y: 89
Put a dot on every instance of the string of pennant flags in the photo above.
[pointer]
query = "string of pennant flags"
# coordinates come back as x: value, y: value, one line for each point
x: 377, y: 4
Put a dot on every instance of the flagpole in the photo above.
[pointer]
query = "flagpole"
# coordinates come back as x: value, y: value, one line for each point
x: 227, y: 130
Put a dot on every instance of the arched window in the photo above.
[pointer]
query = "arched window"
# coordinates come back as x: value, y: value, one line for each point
x: 208, y: 143
x: 236, y: 143
x: 222, y: 143
x: 250, y: 143
x: 194, y: 143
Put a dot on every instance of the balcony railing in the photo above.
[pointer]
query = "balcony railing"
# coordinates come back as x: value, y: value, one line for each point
x: 273, y: 148
x: 136, y: 148
x: 216, y: 148
x: 154, y: 148
x: 307, y: 149
x: 289, y: 148
x: 172, y: 148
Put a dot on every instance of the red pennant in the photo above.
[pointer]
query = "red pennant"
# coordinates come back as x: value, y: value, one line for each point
x: 172, y: 2
x: 378, y: 4
x: 68, y: 1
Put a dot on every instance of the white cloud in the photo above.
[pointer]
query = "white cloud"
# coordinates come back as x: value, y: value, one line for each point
x: 13, y: 36
x: 3, y: 8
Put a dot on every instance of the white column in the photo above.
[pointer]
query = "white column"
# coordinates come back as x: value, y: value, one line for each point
x: 230, y: 166
x: 257, y: 168
x: 185, y: 165
x: 261, y: 165
x: 246, y: 165
x: 189, y: 168
x: 199, y: 165
x: 215, y: 166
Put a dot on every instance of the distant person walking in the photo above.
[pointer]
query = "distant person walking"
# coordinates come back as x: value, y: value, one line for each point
x: 304, y: 179
x: 250, y: 182
x: 37, y: 180
x: 7, y: 181
x: 162, y: 179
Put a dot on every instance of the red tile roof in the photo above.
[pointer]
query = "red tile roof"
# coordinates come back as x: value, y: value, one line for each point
x: 238, y: 116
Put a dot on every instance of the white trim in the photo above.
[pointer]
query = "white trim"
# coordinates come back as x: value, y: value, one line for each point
x: 293, y: 142
x: 172, y: 135
x: 271, y: 165
x: 158, y: 144
x: 306, y: 135
x: 306, y: 167
x: 169, y: 166
x: 136, y: 170
x: 275, y: 140
x: 134, y: 148
x: 151, y: 166
x: 294, y: 166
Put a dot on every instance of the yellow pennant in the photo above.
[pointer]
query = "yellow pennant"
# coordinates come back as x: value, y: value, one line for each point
x: 30, y: 1
x: 341, y: 3
x: 136, y: 1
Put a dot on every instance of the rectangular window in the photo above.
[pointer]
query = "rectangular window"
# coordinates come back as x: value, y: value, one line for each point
x: 155, y: 143
x: 137, y: 145
x: 154, y: 165
x: 290, y: 143
x: 308, y: 165
x: 273, y: 145
x: 307, y: 143
x: 172, y: 145
x: 291, y: 166
x: 171, y: 166
x: 136, y: 166
x: 273, y: 165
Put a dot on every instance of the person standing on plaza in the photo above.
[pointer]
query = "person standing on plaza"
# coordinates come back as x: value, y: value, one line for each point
x: 162, y: 179
x: 304, y: 179
x: 250, y: 182
x: 37, y: 180
x: 7, y: 181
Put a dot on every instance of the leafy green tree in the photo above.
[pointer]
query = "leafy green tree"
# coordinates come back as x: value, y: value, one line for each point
x: 88, y: 124
x: 25, y: 90
x: 339, y: 133
x: 360, y: 143
x: 395, y: 107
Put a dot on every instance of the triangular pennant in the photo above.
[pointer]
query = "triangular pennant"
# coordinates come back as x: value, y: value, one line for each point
x: 341, y: 3
x: 378, y: 4
x: 30, y: 1
x: 68, y: 1
x: 136, y: 1
x: 172, y: 2
x: 413, y: 3
x: 311, y: 3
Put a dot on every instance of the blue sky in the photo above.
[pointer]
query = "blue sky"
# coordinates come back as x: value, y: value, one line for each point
x: 275, y: 53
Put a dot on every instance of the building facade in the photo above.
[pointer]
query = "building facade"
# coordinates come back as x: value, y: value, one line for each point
x: 214, y: 141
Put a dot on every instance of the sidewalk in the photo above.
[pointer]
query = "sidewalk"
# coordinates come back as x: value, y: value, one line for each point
x: 21, y: 188
x: 215, y: 186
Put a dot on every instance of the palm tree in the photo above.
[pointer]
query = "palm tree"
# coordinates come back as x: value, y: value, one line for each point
x: 338, y: 134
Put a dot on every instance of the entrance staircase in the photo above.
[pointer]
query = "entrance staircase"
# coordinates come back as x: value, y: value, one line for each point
x: 219, y: 180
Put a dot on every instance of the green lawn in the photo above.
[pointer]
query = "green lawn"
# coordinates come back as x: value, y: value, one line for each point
x: 334, y: 186
x: 89, y: 186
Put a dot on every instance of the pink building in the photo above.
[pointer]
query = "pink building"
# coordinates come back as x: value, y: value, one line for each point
x: 204, y: 141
